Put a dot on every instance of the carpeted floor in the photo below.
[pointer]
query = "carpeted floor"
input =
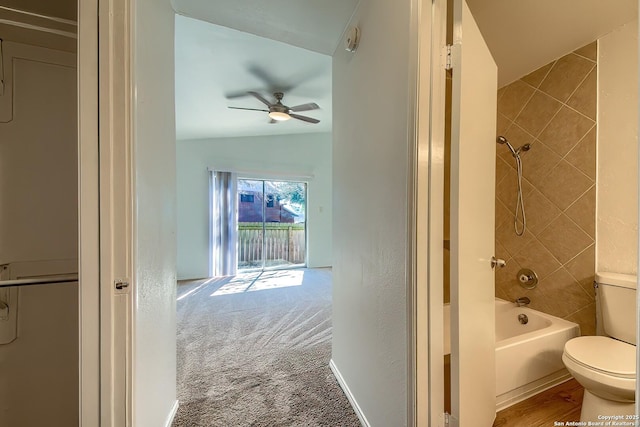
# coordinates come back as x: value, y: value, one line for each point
x: 254, y: 350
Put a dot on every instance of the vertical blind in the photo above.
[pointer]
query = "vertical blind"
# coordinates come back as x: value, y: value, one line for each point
x: 224, y: 239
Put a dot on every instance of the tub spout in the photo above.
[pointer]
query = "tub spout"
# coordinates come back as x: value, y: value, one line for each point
x: 523, y: 301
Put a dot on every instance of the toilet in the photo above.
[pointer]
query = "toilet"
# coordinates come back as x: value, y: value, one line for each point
x: 606, y: 365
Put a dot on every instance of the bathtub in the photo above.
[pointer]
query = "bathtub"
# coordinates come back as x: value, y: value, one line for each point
x: 528, y: 357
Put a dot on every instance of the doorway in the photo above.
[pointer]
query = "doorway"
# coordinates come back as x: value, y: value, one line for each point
x: 271, y: 224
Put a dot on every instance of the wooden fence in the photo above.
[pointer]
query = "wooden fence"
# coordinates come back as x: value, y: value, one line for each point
x: 284, y: 244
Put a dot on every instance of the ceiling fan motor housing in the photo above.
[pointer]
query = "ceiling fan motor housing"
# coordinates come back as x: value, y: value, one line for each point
x: 279, y: 112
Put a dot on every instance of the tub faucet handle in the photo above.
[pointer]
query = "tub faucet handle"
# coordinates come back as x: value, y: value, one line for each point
x: 523, y: 301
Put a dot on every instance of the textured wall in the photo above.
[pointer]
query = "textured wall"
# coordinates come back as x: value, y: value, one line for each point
x: 371, y: 147
x: 554, y: 110
x: 617, y: 238
x: 154, y: 227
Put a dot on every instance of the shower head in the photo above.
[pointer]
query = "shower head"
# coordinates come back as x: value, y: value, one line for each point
x: 502, y: 140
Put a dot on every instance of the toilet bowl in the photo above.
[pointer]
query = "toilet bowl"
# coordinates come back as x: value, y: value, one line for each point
x: 603, y: 365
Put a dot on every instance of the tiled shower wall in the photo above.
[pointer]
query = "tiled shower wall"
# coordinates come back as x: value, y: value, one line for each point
x: 554, y: 110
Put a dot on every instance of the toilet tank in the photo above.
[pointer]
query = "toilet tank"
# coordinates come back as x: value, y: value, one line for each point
x: 617, y: 295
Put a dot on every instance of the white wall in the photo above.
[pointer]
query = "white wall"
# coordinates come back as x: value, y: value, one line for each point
x: 154, y: 232
x: 371, y: 159
x: 617, y: 169
x: 270, y: 156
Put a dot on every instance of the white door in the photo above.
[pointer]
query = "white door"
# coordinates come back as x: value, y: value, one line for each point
x: 473, y: 116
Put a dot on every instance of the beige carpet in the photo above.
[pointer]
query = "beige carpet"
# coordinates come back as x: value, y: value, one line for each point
x: 254, y: 350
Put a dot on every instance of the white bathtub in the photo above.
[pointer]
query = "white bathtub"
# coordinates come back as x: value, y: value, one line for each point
x: 528, y: 357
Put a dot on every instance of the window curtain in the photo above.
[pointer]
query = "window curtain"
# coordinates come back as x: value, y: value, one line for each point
x: 224, y: 245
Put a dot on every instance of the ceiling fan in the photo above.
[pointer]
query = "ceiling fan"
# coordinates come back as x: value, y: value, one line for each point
x: 279, y: 112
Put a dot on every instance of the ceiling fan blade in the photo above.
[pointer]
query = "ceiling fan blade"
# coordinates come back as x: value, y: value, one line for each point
x: 272, y: 83
x: 251, y: 109
x: 305, y: 118
x: 260, y: 98
x: 305, y: 107
x: 236, y: 94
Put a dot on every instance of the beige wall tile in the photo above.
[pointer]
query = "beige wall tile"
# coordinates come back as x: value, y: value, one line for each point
x: 583, y: 155
x: 538, y: 162
x: 537, y: 113
x: 564, y: 184
x: 502, y: 124
x: 514, y: 98
x: 501, y: 92
x: 589, y: 51
x: 565, y: 130
x: 540, y: 212
x: 559, y: 171
x: 501, y: 252
x: 501, y: 294
x: 586, y: 318
x: 502, y: 169
x: 536, y: 257
x: 563, y: 295
x: 565, y: 76
x: 508, y: 238
x: 535, y: 78
x: 583, y: 268
x: 582, y: 212
x: 564, y: 239
x: 506, y: 190
x: 502, y: 214
x: 585, y: 97
x: 507, y: 274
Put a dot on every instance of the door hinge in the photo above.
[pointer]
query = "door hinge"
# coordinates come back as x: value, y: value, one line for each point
x: 447, y: 416
x: 448, y: 64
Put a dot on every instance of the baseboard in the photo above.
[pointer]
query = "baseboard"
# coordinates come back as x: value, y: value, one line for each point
x: 529, y: 390
x: 347, y: 392
x: 172, y: 414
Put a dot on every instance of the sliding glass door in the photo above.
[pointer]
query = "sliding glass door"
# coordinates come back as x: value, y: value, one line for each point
x: 271, y: 224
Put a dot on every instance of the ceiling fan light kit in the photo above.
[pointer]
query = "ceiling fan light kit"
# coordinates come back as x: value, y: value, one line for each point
x: 278, y: 112
x: 279, y: 116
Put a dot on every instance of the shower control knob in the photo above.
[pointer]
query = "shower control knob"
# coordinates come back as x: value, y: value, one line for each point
x: 528, y: 278
x: 497, y: 262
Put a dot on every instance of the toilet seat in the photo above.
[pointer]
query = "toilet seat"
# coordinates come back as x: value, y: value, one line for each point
x: 603, y: 365
x: 603, y: 354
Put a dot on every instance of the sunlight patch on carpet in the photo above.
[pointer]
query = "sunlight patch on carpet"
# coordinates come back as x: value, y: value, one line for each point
x: 263, y: 281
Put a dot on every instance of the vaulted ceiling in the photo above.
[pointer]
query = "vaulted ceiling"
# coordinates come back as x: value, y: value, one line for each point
x: 313, y: 25
x: 216, y: 66
x: 524, y: 35
x: 237, y: 46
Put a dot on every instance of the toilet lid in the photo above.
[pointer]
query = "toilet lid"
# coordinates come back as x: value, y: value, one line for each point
x: 603, y: 354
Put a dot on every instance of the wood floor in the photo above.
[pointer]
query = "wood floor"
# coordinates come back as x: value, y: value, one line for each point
x: 560, y: 403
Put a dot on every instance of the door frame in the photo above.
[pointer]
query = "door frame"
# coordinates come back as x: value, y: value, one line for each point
x: 428, y: 260
x: 105, y: 214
